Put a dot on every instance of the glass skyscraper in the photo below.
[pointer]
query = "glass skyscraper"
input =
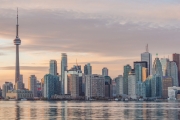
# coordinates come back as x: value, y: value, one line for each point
x: 53, y: 67
x: 127, y: 69
x: 88, y: 69
x: 176, y: 59
x: 164, y: 62
x: 146, y: 56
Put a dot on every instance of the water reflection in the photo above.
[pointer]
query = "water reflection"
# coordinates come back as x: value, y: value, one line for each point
x: 67, y: 110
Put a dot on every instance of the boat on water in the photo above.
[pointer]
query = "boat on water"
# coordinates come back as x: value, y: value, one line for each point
x: 23, y: 99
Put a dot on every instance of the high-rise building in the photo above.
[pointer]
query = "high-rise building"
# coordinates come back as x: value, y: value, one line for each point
x: 108, y: 86
x: 73, y: 82
x: 167, y: 82
x: 156, y: 86
x: 144, y: 74
x: 127, y: 69
x: 176, y: 59
x: 32, y: 85
x: 94, y: 86
x: 51, y: 86
x: 63, y: 69
x: 6, y: 87
x: 88, y: 69
x: 53, y: 67
x: 157, y: 67
x: 172, y: 71
x: 138, y: 72
x: 119, y: 85
x: 142, y: 63
x: 164, y: 62
x: 17, y: 42
x: 132, y: 87
x: 105, y: 71
x: 146, y: 56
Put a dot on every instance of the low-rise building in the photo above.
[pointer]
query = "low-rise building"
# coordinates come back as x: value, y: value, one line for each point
x: 19, y: 94
x: 173, y: 92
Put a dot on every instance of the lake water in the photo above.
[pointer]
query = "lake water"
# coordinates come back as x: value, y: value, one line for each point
x: 67, y: 110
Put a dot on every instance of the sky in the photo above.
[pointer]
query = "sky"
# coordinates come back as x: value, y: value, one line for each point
x: 105, y: 33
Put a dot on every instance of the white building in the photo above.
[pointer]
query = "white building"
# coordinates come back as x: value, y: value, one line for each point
x: 105, y: 71
x: 53, y: 67
x: 63, y: 69
x: 95, y: 86
x: 132, y: 86
x: 172, y: 92
x: 119, y: 85
x: 19, y: 94
x: 32, y: 86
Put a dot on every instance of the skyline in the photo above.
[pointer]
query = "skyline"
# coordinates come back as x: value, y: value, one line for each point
x: 37, y: 49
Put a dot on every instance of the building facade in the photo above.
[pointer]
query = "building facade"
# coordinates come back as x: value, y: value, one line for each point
x: 53, y: 67
x: 164, y: 63
x: 105, y: 71
x: 88, y: 69
x: 127, y: 69
x: 119, y: 85
x: 176, y: 59
x: 167, y: 82
x: 5, y: 88
x: 146, y: 56
x: 32, y: 85
x: 157, y: 67
x: 63, y: 69
x: 132, y: 88
x: 95, y: 86
x: 19, y: 94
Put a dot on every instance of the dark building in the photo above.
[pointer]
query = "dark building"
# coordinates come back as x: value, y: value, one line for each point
x: 142, y: 63
x: 176, y: 59
x: 108, y: 86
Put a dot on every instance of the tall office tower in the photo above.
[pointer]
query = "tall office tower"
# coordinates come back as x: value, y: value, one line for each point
x: 164, y: 62
x: 156, y: 86
x: 148, y: 86
x: 53, y: 67
x: 63, y: 69
x: 127, y: 69
x: 172, y: 71
x: 132, y: 89
x: 73, y: 82
x: 138, y: 72
x: 94, y: 86
x: 119, y: 85
x: 105, y: 71
x: 141, y: 89
x: 108, y: 86
x: 17, y: 42
x: 167, y: 82
x: 39, y: 89
x: 146, y: 56
x: 51, y: 86
x: 176, y: 59
x: 19, y: 84
x: 7, y: 86
x: 157, y: 67
x: 32, y: 85
x: 88, y: 69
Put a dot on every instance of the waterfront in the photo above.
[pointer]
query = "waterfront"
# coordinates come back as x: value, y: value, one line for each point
x: 67, y: 110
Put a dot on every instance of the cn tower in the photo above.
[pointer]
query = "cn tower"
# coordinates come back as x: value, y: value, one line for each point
x: 17, y: 42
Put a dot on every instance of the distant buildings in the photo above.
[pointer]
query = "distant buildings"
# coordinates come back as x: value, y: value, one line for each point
x: 176, y: 59
x: 108, y: 86
x: 105, y: 71
x: 88, y: 69
x: 53, y: 67
x: 157, y: 67
x: 119, y: 85
x: 127, y: 69
x: 63, y: 69
x: 164, y: 63
x: 94, y: 86
x: 132, y: 89
x: 19, y: 94
x: 6, y: 87
x: 32, y: 86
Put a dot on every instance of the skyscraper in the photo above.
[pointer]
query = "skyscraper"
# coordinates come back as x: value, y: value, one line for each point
x: 88, y: 69
x: 119, y: 85
x: 176, y: 59
x: 157, y: 67
x: 17, y: 42
x: 63, y: 69
x: 138, y: 72
x: 164, y: 62
x: 142, y: 63
x: 146, y: 56
x: 167, y: 82
x: 33, y: 85
x: 127, y: 69
x: 172, y: 71
x: 105, y: 71
x: 7, y: 86
x: 132, y: 85
x: 53, y: 67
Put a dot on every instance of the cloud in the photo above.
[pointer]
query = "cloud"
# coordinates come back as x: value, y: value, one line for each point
x: 34, y: 68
